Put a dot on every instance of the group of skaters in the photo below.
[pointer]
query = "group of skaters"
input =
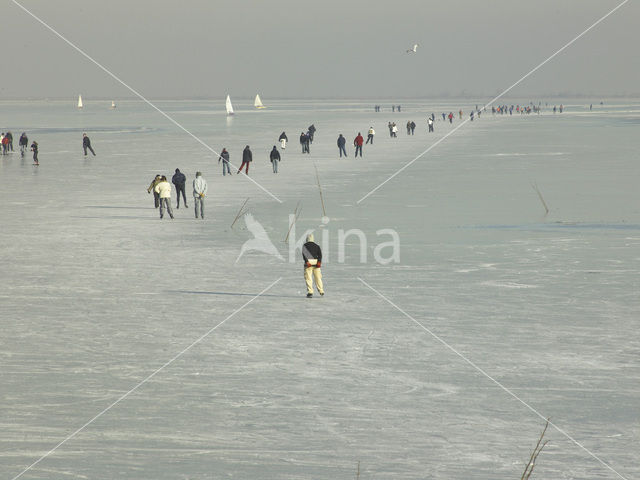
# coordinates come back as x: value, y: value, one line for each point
x: 161, y: 189
x: 6, y: 140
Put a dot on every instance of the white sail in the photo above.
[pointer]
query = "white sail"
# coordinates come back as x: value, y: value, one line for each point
x: 228, y: 105
x: 113, y: 104
x: 258, y: 103
x: 79, y: 101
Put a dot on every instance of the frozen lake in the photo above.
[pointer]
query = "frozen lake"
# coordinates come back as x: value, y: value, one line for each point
x: 98, y: 294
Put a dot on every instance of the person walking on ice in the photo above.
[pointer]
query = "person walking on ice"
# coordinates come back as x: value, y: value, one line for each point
x: 179, y: 180
x: 199, y: 192
x: 34, y: 149
x: 283, y: 140
x: 312, y: 256
x: 163, y: 189
x: 274, y: 156
x: 86, y: 144
x: 224, y: 156
x: 247, y: 158
x: 370, y: 135
x: 341, y: 143
x: 358, y: 142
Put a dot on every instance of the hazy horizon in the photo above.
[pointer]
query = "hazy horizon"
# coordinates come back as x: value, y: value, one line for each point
x: 284, y: 49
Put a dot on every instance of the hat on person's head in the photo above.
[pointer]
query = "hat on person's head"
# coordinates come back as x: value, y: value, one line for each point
x: 198, y: 174
x: 310, y: 237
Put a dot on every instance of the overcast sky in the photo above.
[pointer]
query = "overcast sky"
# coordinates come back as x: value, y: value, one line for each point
x: 322, y: 48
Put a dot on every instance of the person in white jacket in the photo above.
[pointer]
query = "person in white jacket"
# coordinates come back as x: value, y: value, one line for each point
x: 199, y: 192
x: 163, y: 189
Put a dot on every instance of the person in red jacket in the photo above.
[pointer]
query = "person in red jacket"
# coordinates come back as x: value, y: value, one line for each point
x: 358, y: 142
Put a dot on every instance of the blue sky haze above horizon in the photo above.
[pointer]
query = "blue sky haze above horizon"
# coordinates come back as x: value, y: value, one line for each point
x: 353, y: 49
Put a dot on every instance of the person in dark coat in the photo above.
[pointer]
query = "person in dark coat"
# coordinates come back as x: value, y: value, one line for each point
x: 10, y: 137
x: 304, y: 141
x: 312, y: 257
x: 179, y: 180
x: 312, y: 132
x: 224, y: 156
x: 283, y: 140
x: 34, y: 149
x: 86, y: 144
x: 274, y: 156
x: 247, y: 158
x: 23, y: 142
x: 341, y: 143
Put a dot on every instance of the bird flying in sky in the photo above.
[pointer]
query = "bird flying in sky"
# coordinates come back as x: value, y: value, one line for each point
x: 413, y: 50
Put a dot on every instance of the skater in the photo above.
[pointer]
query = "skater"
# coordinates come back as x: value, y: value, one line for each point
x: 10, y: 143
x: 34, y: 149
x: 152, y: 188
x: 390, y: 126
x: 86, y: 144
x: 394, y: 130
x: 450, y: 117
x: 311, y: 131
x: 413, y: 126
x: 370, y: 135
x: 430, y: 124
x: 341, y: 143
x: 163, y: 189
x: 312, y: 256
x: 179, y: 180
x: 357, y: 142
x: 283, y: 140
x: 247, y: 158
x: 409, y: 127
x: 304, y: 142
x: 23, y: 142
x: 224, y: 156
x: 274, y: 156
x: 471, y: 115
x: 5, y: 143
x: 199, y: 192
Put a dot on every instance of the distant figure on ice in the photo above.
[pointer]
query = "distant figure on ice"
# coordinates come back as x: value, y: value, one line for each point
x: 224, y: 156
x: 199, y: 192
x: 393, y: 108
x: 460, y: 113
x: 450, y: 117
x: 312, y: 257
x: 394, y: 130
x: 311, y: 131
x: 34, y: 149
x: 274, y: 156
x: 341, y: 143
x: 152, y: 188
x: 444, y: 116
x: 358, y: 142
x: 370, y: 135
x: 247, y: 158
x: 390, y: 129
x: 409, y: 127
x: 471, y: 115
x: 23, y: 142
x: 179, y: 180
x: 413, y: 127
x: 283, y: 140
x: 86, y: 144
x: 163, y: 189
x: 5, y: 143
x: 398, y: 107
x: 10, y: 143
x: 430, y: 124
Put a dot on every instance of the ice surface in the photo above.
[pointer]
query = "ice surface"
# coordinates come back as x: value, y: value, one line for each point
x: 98, y: 294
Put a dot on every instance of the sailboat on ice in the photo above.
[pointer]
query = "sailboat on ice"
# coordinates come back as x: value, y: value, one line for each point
x: 113, y: 104
x: 229, y: 106
x: 257, y: 102
x: 80, y: 101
